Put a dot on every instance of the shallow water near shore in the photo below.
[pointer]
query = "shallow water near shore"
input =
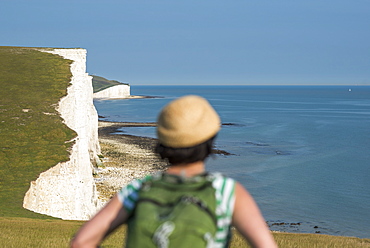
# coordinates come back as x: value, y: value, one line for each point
x: 302, y: 152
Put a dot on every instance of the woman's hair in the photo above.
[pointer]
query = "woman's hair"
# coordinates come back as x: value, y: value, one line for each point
x: 186, y: 155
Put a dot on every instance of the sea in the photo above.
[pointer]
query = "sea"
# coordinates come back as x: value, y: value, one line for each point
x: 301, y: 151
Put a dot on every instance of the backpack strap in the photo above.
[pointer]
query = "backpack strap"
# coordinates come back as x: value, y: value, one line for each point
x: 172, y: 182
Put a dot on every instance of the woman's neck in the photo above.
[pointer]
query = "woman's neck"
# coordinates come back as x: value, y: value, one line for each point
x: 187, y: 169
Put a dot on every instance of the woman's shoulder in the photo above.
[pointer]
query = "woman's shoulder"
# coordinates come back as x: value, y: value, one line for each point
x: 133, y: 187
x: 224, y: 185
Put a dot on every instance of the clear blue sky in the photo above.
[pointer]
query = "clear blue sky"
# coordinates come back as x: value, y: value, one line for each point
x: 203, y: 41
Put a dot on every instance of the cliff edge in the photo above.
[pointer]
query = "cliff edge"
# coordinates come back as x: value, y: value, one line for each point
x: 68, y: 190
x: 109, y: 89
x: 114, y: 92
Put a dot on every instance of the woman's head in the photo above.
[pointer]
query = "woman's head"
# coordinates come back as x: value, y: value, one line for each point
x: 186, y: 129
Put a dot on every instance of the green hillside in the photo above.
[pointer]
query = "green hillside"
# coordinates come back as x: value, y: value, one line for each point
x: 100, y: 83
x: 32, y: 135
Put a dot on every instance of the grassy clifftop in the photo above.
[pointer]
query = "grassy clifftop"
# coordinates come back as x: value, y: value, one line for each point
x: 32, y: 135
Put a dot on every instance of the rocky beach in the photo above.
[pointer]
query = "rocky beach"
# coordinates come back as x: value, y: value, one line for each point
x: 125, y: 157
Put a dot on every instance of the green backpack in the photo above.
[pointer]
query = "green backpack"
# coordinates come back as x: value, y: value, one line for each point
x: 172, y: 211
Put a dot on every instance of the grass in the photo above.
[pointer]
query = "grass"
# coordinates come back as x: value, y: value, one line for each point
x: 24, y: 232
x: 100, y: 83
x: 318, y: 241
x: 32, y: 135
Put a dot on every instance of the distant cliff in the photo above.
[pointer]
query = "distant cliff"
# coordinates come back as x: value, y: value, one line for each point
x: 114, y: 92
x: 111, y: 89
x: 67, y: 190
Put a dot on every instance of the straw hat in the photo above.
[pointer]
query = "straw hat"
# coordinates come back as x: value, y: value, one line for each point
x: 186, y: 122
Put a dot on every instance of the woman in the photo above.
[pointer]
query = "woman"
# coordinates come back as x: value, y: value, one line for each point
x: 186, y: 129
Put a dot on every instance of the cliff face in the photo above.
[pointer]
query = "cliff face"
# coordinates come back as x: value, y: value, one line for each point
x: 68, y: 189
x: 117, y: 91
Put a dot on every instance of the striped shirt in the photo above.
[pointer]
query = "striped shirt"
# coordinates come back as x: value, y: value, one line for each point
x: 224, y: 195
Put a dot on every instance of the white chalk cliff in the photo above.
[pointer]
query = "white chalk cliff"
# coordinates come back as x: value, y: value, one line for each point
x: 117, y: 91
x: 68, y: 190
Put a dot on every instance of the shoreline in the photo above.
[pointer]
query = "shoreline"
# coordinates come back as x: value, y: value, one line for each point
x: 125, y: 97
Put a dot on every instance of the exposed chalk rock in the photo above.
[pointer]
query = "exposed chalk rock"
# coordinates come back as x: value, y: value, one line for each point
x: 117, y: 91
x: 68, y: 190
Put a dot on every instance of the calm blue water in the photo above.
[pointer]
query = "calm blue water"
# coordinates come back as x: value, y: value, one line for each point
x: 302, y: 152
